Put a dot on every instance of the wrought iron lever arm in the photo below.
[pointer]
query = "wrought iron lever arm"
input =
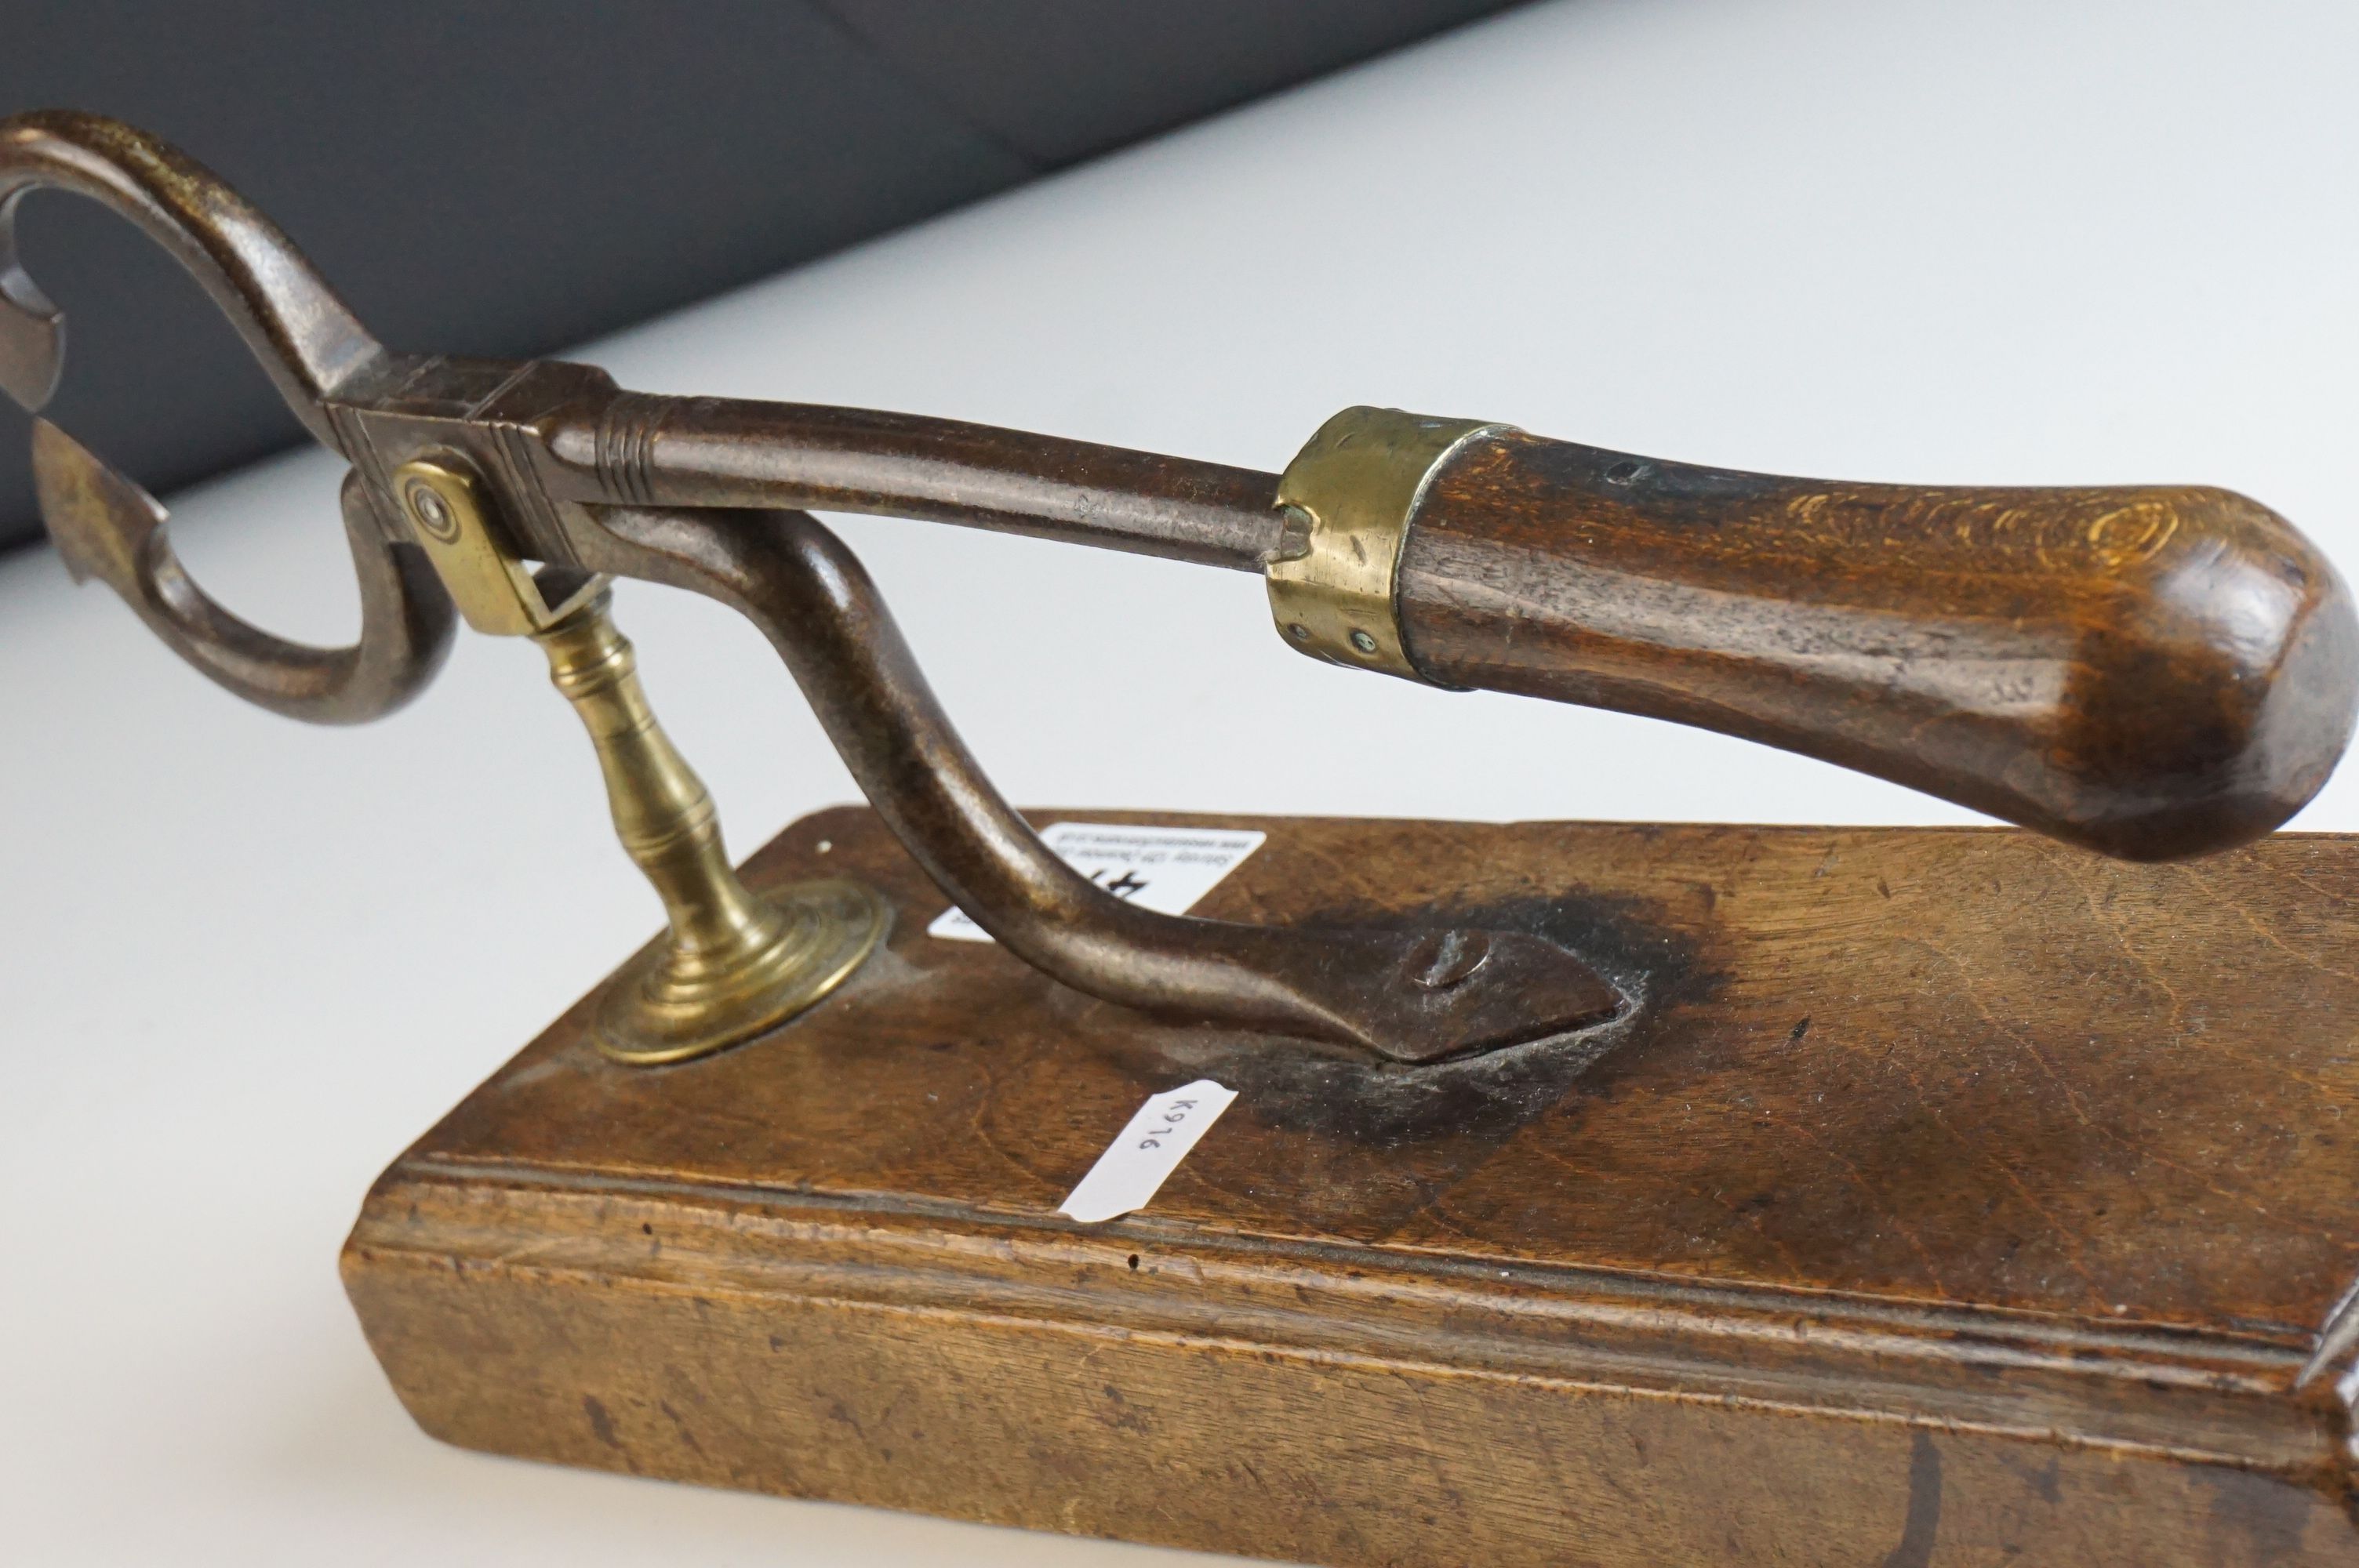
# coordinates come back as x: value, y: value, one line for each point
x: 1413, y: 995
x: 716, y: 451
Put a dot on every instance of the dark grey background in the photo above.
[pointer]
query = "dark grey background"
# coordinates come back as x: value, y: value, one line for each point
x: 506, y: 178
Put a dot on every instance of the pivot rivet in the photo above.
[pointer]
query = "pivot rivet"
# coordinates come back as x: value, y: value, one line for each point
x: 1446, y: 959
x: 433, y: 513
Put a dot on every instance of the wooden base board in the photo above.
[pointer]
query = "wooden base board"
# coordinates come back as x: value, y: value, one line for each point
x: 1947, y: 1196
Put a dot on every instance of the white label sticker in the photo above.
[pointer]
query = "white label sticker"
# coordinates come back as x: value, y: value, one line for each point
x: 1163, y: 869
x: 1147, y: 1151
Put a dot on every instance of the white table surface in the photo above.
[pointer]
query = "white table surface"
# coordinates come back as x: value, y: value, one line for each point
x: 246, y: 961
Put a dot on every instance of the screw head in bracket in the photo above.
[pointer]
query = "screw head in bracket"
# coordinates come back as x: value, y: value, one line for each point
x: 1445, y: 960
x: 432, y: 513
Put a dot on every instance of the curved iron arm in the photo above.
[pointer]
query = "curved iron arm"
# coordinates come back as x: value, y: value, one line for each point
x: 1412, y: 995
x: 108, y: 527
x: 306, y: 339
x: 724, y: 452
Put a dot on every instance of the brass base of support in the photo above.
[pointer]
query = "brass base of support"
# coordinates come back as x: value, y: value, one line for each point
x: 671, y: 1003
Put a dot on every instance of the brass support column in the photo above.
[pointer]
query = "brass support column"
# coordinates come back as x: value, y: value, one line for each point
x: 730, y: 964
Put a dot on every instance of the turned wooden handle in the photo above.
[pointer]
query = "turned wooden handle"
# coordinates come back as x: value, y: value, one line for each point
x: 2151, y: 673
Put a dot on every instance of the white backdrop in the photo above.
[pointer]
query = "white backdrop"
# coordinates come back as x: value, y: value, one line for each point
x: 246, y: 961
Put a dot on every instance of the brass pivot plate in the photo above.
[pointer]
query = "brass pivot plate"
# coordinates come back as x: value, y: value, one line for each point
x: 1350, y: 495
x: 456, y: 523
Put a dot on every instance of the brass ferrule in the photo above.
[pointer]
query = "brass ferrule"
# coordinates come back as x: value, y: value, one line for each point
x: 1349, y: 496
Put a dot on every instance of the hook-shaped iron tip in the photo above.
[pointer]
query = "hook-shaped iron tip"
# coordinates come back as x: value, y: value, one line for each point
x: 32, y: 330
x: 100, y: 518
x: 106, y: 526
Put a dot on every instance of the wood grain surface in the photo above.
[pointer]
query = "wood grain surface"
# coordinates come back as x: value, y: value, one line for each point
x: 2151, y: 671
x: 1947, y: 1196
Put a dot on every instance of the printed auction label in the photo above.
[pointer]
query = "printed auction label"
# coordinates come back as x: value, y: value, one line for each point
x: 1163, y: 869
